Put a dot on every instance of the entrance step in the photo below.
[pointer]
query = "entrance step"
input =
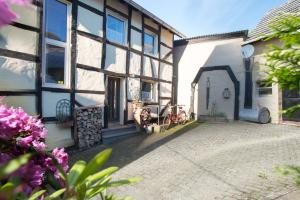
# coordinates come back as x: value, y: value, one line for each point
x: 119, y: 132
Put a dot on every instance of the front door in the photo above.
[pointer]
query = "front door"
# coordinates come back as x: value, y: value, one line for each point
x: 113, y: 99
x: 291, y: 98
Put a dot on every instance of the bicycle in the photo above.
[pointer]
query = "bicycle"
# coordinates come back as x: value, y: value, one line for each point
x: 174, y: 118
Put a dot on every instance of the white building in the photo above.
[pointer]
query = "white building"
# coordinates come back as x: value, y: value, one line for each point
x: 89, y: 53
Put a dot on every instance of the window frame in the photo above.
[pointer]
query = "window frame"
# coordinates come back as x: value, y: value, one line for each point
x: 66, y: 45
x: 155, y: 41
x: 153, y: 91
x: 260, y: 88
x: 123, y: 19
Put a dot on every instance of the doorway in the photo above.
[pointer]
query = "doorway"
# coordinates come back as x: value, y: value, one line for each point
x: 113, y: 89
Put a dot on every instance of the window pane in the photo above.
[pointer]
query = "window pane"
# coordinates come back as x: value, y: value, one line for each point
x: 146, y: 91
x: 56, y: 20
x: 55, y: 64
x: 115, y: 30
x: 149, y: 43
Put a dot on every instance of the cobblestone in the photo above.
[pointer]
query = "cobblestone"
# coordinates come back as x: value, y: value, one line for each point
x: 223, y: 161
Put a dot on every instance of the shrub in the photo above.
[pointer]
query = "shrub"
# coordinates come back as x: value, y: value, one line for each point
x: 28, y: 170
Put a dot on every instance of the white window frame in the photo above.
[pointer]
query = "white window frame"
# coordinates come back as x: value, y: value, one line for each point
x: 119, y: 17
x: 155, y: 50
x: 66, y: 45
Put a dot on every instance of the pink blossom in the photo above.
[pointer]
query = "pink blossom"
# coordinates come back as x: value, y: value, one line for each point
x: 7, y: 16
x: 31, y: 175
x: 25, y: 142
x: 39, y: 146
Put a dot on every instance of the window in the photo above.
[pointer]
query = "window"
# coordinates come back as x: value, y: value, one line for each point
x: 116, y: 30
x: 264, y: 88
x: 147, y: 91
x: 56, y: 48
x: 149, y: 43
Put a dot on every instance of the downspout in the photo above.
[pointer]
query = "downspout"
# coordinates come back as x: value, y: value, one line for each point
x: 248, y: 84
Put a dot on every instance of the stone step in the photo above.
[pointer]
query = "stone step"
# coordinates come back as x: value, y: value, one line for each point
x: 111, y: 136
x: 119, y: 131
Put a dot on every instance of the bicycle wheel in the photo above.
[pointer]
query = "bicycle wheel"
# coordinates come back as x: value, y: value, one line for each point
x: 166, y: 123
x: 182, y: 117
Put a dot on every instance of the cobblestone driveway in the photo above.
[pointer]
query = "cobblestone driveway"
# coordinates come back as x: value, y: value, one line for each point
x: 216, y: 161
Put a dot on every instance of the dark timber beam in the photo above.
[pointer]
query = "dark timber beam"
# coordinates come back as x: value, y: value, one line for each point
x: 38, y: 72
x: 73, y: 59
x: 127, y: 63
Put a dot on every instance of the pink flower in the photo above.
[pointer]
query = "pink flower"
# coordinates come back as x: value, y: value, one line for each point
x: 25, y: 142
x: 7, y: 16
x: 39, y: 146
x: 61, y: 157
x: 31, y: 175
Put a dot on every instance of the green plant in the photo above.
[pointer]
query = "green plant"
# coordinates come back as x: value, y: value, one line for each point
x: 83, y: 181
x: 283, y: 62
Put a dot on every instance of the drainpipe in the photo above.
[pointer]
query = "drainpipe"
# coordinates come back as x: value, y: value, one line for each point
x: 248, y: 84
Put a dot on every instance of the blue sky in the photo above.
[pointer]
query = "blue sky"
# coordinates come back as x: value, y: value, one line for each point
x: 201, y: 17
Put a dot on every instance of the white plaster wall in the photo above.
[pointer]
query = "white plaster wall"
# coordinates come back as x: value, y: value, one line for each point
x: 133, y: 88
x: 115, y: 59
x: 90, y: 22
x: 164, y: 51
x: 16, y: 39
x: 89, y: 52
x: 98, y: 4
x: 163, y: 104
x: 27, y: 15
x: 269, y: 101
x: 167, y: 37
x: 192, y: 57
x: 165, y: 89
x: 50, y: 100
x: 58, y: 137
x: 122, y: 100
x: 26, y: 102
x: 136, y: 40
x: 155, y: 64
x: 118, y: 5
x: 135, y: 64
x: 130, y: 111
x: 151, y: 23
x: 90, y: 99
x: 219, y: 80
x: 16, y: 74
x: 89, y: 80
x: 147, y: 67
x: 166, y: 72
x: 136, y: 19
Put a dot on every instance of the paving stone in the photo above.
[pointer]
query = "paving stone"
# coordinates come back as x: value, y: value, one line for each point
x: 213, y: 161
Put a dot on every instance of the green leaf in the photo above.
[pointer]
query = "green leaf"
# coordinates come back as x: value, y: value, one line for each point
x: 6, y: 191
x: 56, y: 194
x: 122, y: 182
x: 98, y: 176
x: 37, y: 194
x: 95, y: 164
x: 75, y: 172
x: 13, y: 165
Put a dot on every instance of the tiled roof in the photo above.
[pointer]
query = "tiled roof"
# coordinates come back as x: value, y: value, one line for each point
x: 219, y: 36
x: 292, y: 6
x: 151, y: 15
